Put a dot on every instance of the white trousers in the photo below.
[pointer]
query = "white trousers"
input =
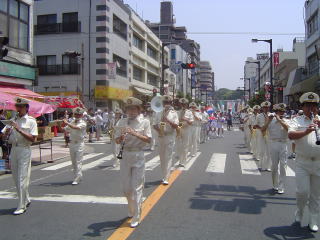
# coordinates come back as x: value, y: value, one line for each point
x: 278, y: 153
x: 153, y: 139
x: 76, y: 155
x: 193, y: 144
x: 247, y: 137
x: 166, y: 145
x: 263, y: 153
x: 183, y: 146
x: 115, y: 150
x: 253, y: 144
x: 20, y: 158
x: 132, y: 172
x: 308, y: 184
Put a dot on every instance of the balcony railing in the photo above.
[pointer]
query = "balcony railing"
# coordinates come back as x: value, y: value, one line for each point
x: 54, y: 28
x: 153, y: 82
x: 59, y: 69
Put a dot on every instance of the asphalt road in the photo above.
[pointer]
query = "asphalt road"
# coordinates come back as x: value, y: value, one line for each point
x: 220, y: 195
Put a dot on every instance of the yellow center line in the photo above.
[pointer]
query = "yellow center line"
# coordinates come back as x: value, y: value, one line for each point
x: 124, y: 231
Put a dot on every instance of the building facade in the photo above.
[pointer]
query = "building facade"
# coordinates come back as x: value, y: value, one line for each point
x: 205, y: 84
x: 99, y: 31
x: 16, y: 22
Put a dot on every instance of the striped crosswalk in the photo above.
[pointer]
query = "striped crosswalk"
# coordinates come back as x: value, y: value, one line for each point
x: 216, y: 163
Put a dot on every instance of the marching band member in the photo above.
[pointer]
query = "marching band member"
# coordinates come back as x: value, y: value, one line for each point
x: 77, y: 130
x: 204, y: 126
x: 262, y: 137
x: 278, y: 138
x: 302, y: 130
x: 253, y: 130
x: 135, y: 134
x: 194, y: 130
x: 151, y: 117
x: 22, y: 133
x: 186, y: 120
x: 246, y: 129
x: 114, y: 146
x: 166, y: 124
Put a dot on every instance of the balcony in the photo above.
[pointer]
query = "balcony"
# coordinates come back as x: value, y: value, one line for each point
x: 57, y: 28
x: 45, y: 70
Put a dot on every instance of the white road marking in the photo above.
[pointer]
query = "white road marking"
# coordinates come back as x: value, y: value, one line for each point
x: 68, y: 163
x: 70, y: 198
x: 248, y: 165
x: 217, y: 163
x: 97, y: 162
x: 153, y: 163
x: 290, y: 172
x: 190, y: 162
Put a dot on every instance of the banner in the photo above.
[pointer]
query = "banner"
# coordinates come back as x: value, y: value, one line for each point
x: 112, y: 70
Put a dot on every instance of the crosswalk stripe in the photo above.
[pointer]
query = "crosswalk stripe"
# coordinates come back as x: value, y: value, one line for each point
x: 191, y: 162
x: 153, y: 163
x: 217, y: 163
x: 70, y: 198
x: 68, y: 163
x: 290, y: 172
x: 248, y: 165
x: 97, y: 162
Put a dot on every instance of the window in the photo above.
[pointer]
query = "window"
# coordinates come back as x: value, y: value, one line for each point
x: 137, y: 74
x: 122, y: 66
x: 119, y: 27
x: 312, y: 24
x: 47, y: 24
x: 173, y: 54
x: 102, y: 39
x: 313, y: 64
x: 70, y: 22
x: 101, y: 82
x: 46, y: 19
x: 70, y: 65
x: 102, y: 29
x: 102, y: 18
x: 137, y: 42
x: 102, y: 50
x: 102, y: 8
x: 152, y: 80
x: 14, y: 23
x: 101, y: 61
x: 164, y: 27
x: 47, y: 65
x: 152, y: 52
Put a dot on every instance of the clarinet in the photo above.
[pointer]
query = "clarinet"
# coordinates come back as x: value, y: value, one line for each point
x: 316, y: 131
x: 122, y: 146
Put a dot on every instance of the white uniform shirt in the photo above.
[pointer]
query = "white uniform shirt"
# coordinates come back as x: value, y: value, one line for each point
x: 186, y: 114
x: 77, y: 135
x: 27, y: 124
x: 305, y: 146
x: 198, y: 115
x: 140, y: 125
x: 172, y: 116
x: 105, y: 116
x: 252, y: 120
x: 276, y: 131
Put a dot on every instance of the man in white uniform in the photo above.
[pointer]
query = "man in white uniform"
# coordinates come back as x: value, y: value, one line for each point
x: 166, y: 124
x: 253, y: 130
x: 262, y: 137
x: 114, y: 146
x: 22, y: 133
x: 186, y: 120
x: 151, y: 115
x: 204, y: 125
x: 246, y: 129
x: 135, y: 135
x: 302, y: 130
x: 77, y: 130
x: 278, y: 141
x: 195, y: 129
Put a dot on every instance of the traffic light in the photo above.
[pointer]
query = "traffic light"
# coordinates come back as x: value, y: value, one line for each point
x: 188, y: 65
x: 3, y: 42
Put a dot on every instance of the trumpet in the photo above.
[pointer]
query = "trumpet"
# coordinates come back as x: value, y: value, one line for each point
x: 316, y: 130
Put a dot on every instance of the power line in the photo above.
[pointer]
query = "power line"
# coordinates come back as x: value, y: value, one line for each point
x: 246, y: 33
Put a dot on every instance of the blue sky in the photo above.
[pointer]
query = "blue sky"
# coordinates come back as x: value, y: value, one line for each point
x: 227, y: 53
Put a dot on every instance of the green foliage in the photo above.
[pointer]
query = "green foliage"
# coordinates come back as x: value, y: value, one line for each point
x: 257, y: 99
x: 227, y: 94
x: 179, y: 94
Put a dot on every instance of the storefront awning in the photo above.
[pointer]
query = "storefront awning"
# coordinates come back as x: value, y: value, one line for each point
x: 307, y: 85
x: 143, y: 91
x: 18, y: 91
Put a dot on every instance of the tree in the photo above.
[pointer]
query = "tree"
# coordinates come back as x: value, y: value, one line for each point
x: 227, y: 94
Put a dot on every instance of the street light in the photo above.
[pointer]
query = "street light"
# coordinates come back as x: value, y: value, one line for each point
x: 259, y: 69
x: 271, y: 64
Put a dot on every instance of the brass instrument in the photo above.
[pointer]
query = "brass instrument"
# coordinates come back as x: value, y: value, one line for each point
x: 316, y: 130
x: 162, y: 126
x: 179, y: 130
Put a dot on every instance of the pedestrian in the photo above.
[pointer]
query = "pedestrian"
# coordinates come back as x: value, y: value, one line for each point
x: 278, y: 140
x: 135, y: 134
x: 91, y: 124
x: 253, y: 130
x: 77, y: 130
x: 246, y: 128
x: 302, y: 130
x: 204, y: 125
x: 99, y: 124
x: 186, y: 120
x: 220, y: 122
x: 22, y: 133
x: 165, y: 124
x: 229, y: 119
x: 105, y: 119
x: 262, y: 137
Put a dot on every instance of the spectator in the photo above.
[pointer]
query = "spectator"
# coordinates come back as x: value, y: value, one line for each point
x: 99, y: 124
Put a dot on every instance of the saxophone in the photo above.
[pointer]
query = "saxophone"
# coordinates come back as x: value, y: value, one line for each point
x: 162, y: 124
x: 180, y: 126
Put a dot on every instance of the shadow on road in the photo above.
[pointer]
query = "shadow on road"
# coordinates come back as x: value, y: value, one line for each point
x: 152, y: 184
x: 56, y: 184
x: 242, y: 199
x: 5, y: 212
x: 96, y: 229
x: 288, y: 232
